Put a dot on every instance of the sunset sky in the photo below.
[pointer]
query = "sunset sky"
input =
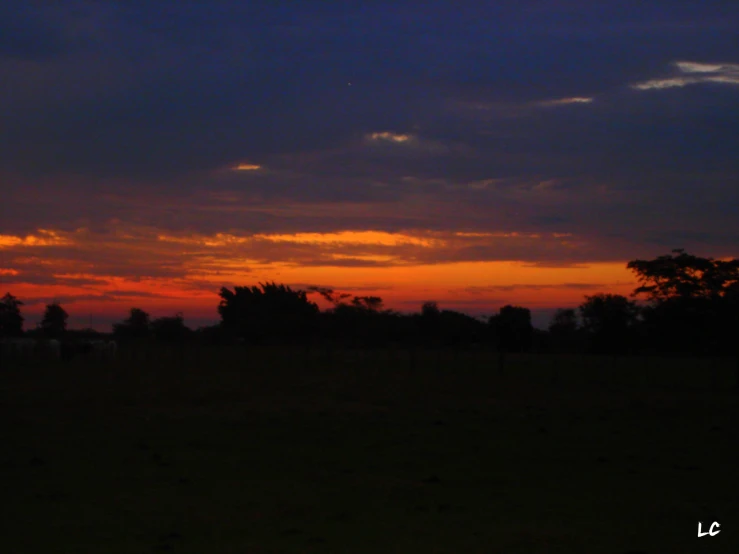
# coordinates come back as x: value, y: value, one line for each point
x: 472, y: 153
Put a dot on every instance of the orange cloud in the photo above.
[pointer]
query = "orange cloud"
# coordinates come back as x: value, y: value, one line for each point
x: 391, y: 137
x: 349, y: 238
x: 43, y: 237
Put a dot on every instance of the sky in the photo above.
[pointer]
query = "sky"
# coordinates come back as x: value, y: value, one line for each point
x: 476, y: 154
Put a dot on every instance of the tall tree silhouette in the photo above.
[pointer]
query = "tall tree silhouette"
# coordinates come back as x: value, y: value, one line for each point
x: 690, y: 300
x: 54, y: 323
x: 11, y: 320
x: 683, y: 275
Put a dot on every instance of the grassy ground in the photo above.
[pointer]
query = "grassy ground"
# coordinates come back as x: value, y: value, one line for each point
x: 215, y: 451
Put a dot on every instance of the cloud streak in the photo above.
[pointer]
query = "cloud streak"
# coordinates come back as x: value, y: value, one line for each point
x: 692, y: 73
x: 566, y: 101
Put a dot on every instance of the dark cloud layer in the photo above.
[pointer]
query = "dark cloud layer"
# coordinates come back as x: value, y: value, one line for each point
x: 498, y: 117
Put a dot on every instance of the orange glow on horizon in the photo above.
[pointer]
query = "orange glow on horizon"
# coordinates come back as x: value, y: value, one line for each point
x: 185, y: 271
x: 472, y: 287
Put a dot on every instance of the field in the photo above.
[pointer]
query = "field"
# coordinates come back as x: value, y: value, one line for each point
x: 224, y: 450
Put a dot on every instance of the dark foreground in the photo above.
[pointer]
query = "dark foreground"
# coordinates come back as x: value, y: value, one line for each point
x: 211, y: 452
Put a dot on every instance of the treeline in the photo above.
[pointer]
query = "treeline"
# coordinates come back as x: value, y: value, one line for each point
x: 690, y: 305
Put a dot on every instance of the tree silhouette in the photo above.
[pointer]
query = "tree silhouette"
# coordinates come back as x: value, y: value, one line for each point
x: 11, y: 320
x: 212, y: 335
x: 684, y: 276
x: 330, y: 294
x: 457, y: 329
x: 564, y: 330
x: 728, y: 321
x: 54, y: 323
x: 512, y: 329
x: 430, y: 323
x: 681, y: 325
x: 691, y: 302
x: 430, y: 309
x: 358, y: 322
x: 170, y: 329
x: 368, y: 303
x: 609, y: 320
x: 137, y: 325
x: 564, y: 321
x: 267, y: 313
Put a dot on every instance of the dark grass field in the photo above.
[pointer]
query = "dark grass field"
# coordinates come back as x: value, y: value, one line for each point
x: 207, y: 451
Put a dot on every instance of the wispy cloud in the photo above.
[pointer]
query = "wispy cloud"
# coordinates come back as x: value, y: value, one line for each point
x: 695, y: 67
x: 514, y: 109
x: 482, y: 184
x: 390, y: 137
x: 218, y: 239
x: 409, y: 144
x: 565, y: 101
x: 690, y: 73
